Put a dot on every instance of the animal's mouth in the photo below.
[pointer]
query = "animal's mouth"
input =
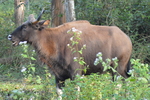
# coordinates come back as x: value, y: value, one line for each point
x: 15, y: 43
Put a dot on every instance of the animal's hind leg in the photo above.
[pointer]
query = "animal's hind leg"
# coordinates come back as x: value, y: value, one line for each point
x: 122, y: 68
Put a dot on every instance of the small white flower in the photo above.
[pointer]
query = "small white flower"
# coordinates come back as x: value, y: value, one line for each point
x: 108, y: 60
x: 82, y: 77
x: 33, y: 50
x: 114, y: 58
x: 96, y: 61
x: 68, y: 45
x: 80, y: 32
x: 119, y: 86
x: 100, y: 58
x: 84, y: 45
x: 118, y: 77
x: 71, y: 38
x: 99, y: 54
x: 74, y: 29
x: 142, y: 64
x: 131, y: 71
x: 23, y: 69
x: 75, y: 58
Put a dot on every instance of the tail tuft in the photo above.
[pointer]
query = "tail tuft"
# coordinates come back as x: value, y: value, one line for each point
x: 128, y: 68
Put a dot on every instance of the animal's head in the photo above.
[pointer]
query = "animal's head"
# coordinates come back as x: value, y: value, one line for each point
x: 28, y: 29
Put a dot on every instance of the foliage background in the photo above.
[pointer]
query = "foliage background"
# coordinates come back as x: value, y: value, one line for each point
x: 132, y: 16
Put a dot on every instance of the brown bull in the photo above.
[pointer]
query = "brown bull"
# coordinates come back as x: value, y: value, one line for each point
x: 51, y: 46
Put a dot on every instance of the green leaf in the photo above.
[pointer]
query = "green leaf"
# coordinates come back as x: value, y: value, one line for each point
x: 33, y: 69
x: 113, y: 70
x: 132, y: 79
x: 74, y: 51
x: 105, y: 68
x: 38, y: 80
x: 84, y: 70
x: 82, y: 62
x: 15, y: 97
x: 24, y: 55
x: 80, y: 51
x: 32, y: 58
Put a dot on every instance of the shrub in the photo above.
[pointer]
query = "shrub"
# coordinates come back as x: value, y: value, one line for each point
x: 132, y: 16
x: 100, y: 87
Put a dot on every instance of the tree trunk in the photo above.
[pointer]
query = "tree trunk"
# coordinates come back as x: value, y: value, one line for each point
x: 58, y: 12
x: 27, y: 2
x: 19, y: 12
x: 70, y: 10
x: 62, y: 11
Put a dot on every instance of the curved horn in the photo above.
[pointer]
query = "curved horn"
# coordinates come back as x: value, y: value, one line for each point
x: 39, y: 17
x: 40, y: 14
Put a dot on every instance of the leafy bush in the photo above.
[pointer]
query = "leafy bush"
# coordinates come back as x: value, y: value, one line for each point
x: 91, y: 87
x: 35, y: 82
x: 132, y: 16
x: 101, y: 87
x: 14, y: 62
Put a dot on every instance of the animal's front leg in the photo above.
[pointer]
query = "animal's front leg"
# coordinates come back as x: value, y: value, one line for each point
x: 59, y: 85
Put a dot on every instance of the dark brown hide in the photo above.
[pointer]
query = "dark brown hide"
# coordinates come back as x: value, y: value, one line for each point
x: 51, y: 45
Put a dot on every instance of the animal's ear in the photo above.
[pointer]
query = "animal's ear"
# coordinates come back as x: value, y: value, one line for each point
x: 44, y: 24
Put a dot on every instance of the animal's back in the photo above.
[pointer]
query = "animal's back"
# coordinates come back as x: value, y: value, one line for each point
x: 109, y: 40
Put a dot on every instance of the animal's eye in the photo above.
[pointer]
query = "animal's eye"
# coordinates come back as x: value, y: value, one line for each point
x: 36, y: 26
x: 24, y: 26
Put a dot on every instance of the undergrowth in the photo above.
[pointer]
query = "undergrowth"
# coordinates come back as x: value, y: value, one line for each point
x: 24, y: 79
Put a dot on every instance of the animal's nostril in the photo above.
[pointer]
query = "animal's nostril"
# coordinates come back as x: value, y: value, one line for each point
x: 9, y: 37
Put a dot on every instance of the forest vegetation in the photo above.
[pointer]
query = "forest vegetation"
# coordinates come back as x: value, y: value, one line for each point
x: 24, y: 77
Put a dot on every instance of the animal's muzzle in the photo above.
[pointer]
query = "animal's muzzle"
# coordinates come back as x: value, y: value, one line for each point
x: 9, y: 37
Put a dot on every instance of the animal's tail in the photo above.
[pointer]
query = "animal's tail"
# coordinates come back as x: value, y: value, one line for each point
x: 128, y: 68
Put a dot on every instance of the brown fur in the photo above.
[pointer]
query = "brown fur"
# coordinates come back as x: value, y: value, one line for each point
x: 111, y: 41
x: 51, y: 44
